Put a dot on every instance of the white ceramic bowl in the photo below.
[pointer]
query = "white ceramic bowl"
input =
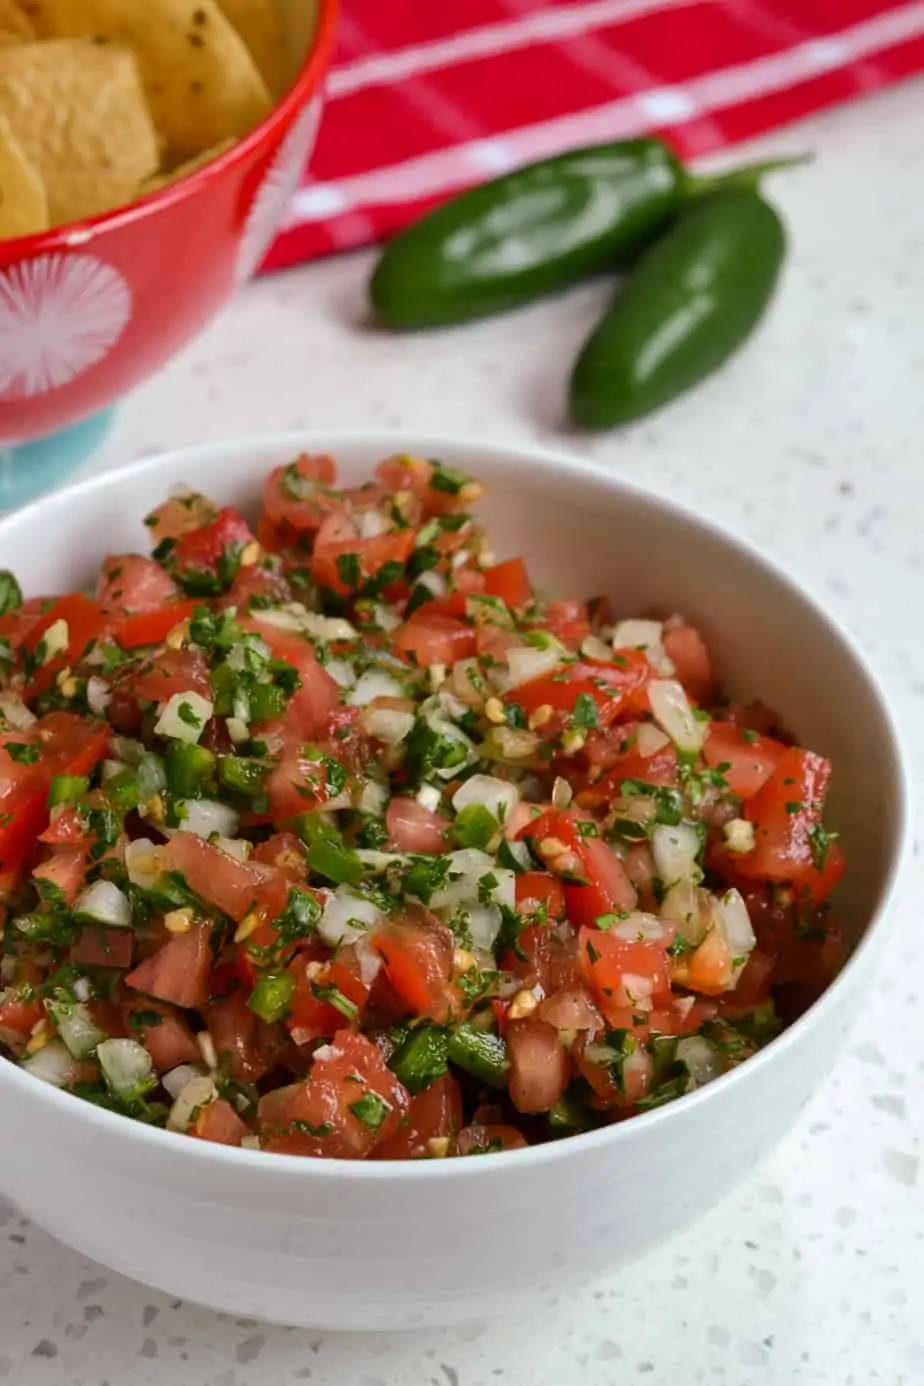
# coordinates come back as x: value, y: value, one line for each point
x: 380, y: 1246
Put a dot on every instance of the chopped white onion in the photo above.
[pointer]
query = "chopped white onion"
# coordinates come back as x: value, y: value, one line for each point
x: 341, y: 671
x: 374, y: 683
x: 370, y: 963
x: 184, y: 717
x: 110, y: 768
x: 386, y: 618
x: 199, y: 1092
x: 731, y: 916
x: 377, y: 862
x: 390, y: 725
x: 702, y: 1059
x: 739, y: 836
x: 99, y: 695
x: 54, y: 1064
x: 104, y: 903
x: 429, y: 797
x: 434, y: 582
x: 175, y: 1081
x: 55, y: 640
x: 82, y: 988
x: 207, y: 816
x: 142, y: 861
x: 639, y: 927
x: 77, y: 1029
x: 279, y: 618
x: 499, y: 797
x: 347, y: 916
x: 374, y: 798
x: 649, y: 739
x: 127, y: 749
x: 238, y: 656
x: 125, y: 1063
x: 237, y: 847
x: 647, y: 636
x: 14, y: 710
x: 675, y: 850
x: 690, y: 909
x: 294, y: 616
x: 528, y: 662
x: 238, y: 730
x: 484, y: 923
x: 371, y: 523
x: 672, y: 712
x: 466, y: 870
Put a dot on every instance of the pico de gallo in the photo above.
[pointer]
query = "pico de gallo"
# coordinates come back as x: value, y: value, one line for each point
x: 330, y: 835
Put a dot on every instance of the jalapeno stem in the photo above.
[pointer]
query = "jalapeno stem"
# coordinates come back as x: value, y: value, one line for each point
x: 747, y: 177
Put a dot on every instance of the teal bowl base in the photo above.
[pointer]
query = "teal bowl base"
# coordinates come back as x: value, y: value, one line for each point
x: 28, y: 469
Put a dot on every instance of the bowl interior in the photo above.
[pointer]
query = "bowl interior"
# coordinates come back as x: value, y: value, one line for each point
x: 583, y: 533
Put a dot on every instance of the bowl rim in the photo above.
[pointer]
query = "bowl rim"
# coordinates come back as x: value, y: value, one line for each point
x: 309, y: 82
x: 255, y: 1164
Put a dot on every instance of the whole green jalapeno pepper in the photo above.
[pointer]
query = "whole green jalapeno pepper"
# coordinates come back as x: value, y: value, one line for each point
x: 533, y: 231
x: 690, y: 302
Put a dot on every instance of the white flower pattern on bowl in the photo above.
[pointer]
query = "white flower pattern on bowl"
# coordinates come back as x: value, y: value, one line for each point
x: 59, y: 316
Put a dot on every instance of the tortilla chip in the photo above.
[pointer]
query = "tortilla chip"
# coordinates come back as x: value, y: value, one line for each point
x: 174, y: 175
x: 259, y: 25
x: 202, y: 84
x: 14, y: 23
x: 23, y: 199
x: 77, y: 108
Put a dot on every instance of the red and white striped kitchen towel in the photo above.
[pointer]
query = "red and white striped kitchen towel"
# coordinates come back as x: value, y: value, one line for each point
x: 429, y: 96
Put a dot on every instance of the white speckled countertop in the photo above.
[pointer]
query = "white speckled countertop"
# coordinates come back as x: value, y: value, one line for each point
x: 812, y: 444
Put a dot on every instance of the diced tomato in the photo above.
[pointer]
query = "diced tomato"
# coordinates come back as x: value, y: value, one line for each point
x: 100, y: 947
x: 151, y: 627
x: 608, y: 685
x: 568, y: 621
x: 310, y: 706
x: 286, y: 853
x: 686, y: 648
x: 435, y: 639
x: 177, y: 973
x: 199, y: 553
x: 298, y: 784
x: 350, y: 1103
x: 232, y: 886
x: 632, y: 1079
x: 129, y: 583
x: 616, y: 749
x: 496, y: 1136
x: 163, y: 1032
x: 415, y: 474
x: 299, y: 494
x: 168, y: 672
x: 325, y: 996
x: 332, y: 565
x: 179, y: 515
x: 65, y: 869
x: 606, y: 887
x: 813, y: 886
x: 538, y: 889
x: 69, y: 829
x: 84, y: 622
x: 786, y: 812
x: 219, y: 1122
x: 249, y: 1046
x: 417, y: 951
x: 509, y: 581
x: 623, y: 974
x: 540, y: 1067
x: 434, y: 1115
x: 63, y: 744
x: 639, y: 866
x: 20, y: 1013
x: 754, y: 983
x: 413, y: 828
x: 545, y: 956
x: 750, y: 759
x: 570, y: 1008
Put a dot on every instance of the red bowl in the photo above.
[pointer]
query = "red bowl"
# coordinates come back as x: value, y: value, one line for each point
x: 90, y: 309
